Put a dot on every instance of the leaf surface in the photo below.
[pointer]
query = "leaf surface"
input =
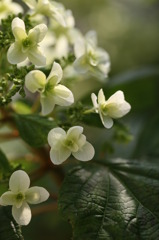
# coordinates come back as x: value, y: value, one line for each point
x: 34, y: 129
x: 114, y: 200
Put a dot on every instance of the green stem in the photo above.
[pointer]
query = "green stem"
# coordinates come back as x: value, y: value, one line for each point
x: 92, y: 110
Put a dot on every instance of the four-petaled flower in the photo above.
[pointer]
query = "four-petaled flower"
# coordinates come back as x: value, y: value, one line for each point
x: 51, y: 91
x: 26, y: 45
x: 64, y: 143
x: 20, y: 195
x: 114, y: 107
x: 45, y: 7
x: 90, y: 58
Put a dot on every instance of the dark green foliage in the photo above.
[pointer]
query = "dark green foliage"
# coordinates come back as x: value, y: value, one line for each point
x: 13, y: 83
x: 5, y: 168
x: 148, y: 137
x: 4, y: 164
x: 34, y: 129
x: 9, y: 229
x: 115, y: 200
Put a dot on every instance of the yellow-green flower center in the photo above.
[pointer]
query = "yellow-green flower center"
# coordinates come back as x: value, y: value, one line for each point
x: 20, y: 197
x: 26, y: 43
x: 71, y: 144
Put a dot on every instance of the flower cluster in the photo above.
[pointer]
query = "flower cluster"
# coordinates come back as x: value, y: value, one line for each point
x: 55, y: 34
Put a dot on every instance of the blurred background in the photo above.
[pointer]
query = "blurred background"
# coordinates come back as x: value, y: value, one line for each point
x: 129, y: 31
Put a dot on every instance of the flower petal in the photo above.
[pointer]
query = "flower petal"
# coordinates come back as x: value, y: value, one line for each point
x: 85, y: 153
x: 38, y: 33
x: 101, y: 97
x: 7, y: 198
x: 91, y: 38
x: 47, y: 104
x: 58, y: 16
x: 81, y: 140
x: 16, y: 8
x: 22, y: 215
x: 36, y: 56
x: 80, y: 47
x: 106, y: 120
x: 18, y: 29
x: 62, y: 47
x: 117, y: 106
x: 59, y: 155
x: 56, y: 71
x: 35, y: 80
x: 118, y: 110
x: 36, y: 195
x: 19, y: 181
x: 15, y: 55
x: 94, y: 101
x: 74, y: 132
x: 62, y: 95
x: 81, y: 65
x: 116, y: 97
x: 55, y: 135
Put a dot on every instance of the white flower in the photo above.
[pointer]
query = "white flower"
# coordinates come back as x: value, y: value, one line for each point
x: 20, y: 195
x: 26, y: 45
x: 63, y: 144
x: 50, y: 90
x: 47, y: 8
x: 8, y: 7
x: 114, y: 107
x: 90, y: 58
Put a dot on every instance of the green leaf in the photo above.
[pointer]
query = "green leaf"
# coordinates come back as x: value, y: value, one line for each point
x: 148, y: 140
x: 113, y: 200
x: 34, y: 129
x: 5, y: 169
x: 9, y: 229
x: 92, y: 119
x: 4, y: 163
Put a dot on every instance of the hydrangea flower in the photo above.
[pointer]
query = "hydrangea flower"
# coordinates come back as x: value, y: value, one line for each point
x: 26, y: 45
x: 20, y: 195
x: 51, y: 92
x: 7, y: 7
x: 63, y: 35
x: 90, y: 58
x: 64, y: 143
x: 114, y: 107
x: 45, y: 7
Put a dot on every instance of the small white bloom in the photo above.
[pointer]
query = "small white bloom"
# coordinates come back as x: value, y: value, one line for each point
x: 45, y: 7
x: 8, y: 7
x: 26, y: 45
x: 90, y: 58
x: 64, y: 143
x: 20, y: 195
x: 114, y: 107
x: 50, y: 90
